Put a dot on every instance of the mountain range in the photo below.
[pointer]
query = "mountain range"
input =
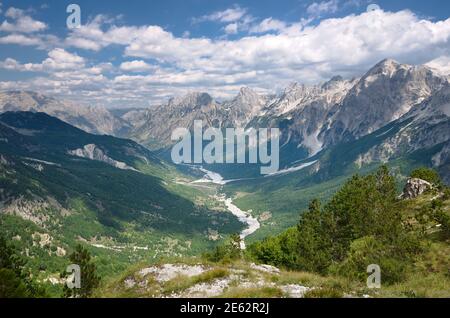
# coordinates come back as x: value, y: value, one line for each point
x: 393, y: 112
x: 71, y: 173
x: 311, y: 118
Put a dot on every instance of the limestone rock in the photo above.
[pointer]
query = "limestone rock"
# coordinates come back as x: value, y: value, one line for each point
x: 415, y: 187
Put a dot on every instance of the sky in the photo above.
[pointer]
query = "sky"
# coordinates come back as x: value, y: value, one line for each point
x: 138, y: 53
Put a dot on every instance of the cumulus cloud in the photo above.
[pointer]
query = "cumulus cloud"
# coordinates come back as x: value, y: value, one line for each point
x: 317, y: 9
x: 441, y: 65
x: 136, y: 66
x: 266, y: 61
x: 21, y: 39
x: 337, y: 43
x: 58, y: 59
x: 13, y: 65
x: 237, y: 19
x: 21, y: 23
x: 231, y: 28
x: 226, y: 16
x: 268, y: 24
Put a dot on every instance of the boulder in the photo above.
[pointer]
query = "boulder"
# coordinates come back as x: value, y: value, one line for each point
x: 415, y: 187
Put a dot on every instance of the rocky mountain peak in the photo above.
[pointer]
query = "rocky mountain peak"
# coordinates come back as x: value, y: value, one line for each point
x: 332, y: 82
x: 18, y: 100
x: 386, y: 66
x: 389, y: 63
x: 294, y: 87
x: 191, y: 100
x: 248, y: 96
x: 246, y: 91
x: 385, y: 93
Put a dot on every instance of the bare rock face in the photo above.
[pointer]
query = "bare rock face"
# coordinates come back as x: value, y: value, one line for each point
x: 415, y: 187
x: 93, y: 152
x: 384, y: 94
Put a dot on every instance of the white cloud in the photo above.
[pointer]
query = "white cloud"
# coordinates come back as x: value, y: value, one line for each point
x: 317, y: 9
x: 334, y: 44
x: 22, y: 23
x: 12, y: 64
x: 236, y: 19
x: 268, y: 24
x: 309, y: 54
x: 441, y: 65
x: 57, y: 60
x: 21, y: 39
x: 231, y: 28
x: 226, y: 16
x: 136, y: 66
x: 60, y: 59
x: 83, y: 43
x: 266, y: 61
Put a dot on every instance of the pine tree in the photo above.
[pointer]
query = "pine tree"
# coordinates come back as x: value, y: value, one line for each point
x: 89, y: 278
x: 14, y: 281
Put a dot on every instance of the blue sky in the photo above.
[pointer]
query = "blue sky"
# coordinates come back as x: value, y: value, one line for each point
x: 139, y: 53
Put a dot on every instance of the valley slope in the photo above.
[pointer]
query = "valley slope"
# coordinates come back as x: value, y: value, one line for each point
x: 60, y: 186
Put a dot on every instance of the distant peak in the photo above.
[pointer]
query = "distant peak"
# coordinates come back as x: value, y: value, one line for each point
x: 388, y: 61
x: 337, y: 78
x: 246, y: 90
x: 387, y: 64
x: 192, y: 99
x: 332, y: 81
x: 247, y: 93
x: 293, y: 87
x: 386, y: 67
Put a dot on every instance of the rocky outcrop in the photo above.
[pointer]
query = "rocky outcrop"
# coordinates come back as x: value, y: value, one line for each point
x: 204, y: 281
x: 93, y: 152
x: 415, y: 187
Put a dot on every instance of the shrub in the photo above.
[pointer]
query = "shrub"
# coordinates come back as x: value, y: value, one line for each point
x: 14, y: 281
x: 444, y: 220
x: 446, y: 192
x: 11, y: 286
x: 427, y: 174
x: 226, y: 252
x: 324, y: 292
x: 367, y: 251
x: 278, y: 250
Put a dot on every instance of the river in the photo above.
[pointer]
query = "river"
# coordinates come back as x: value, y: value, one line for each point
x: 252, y: 223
